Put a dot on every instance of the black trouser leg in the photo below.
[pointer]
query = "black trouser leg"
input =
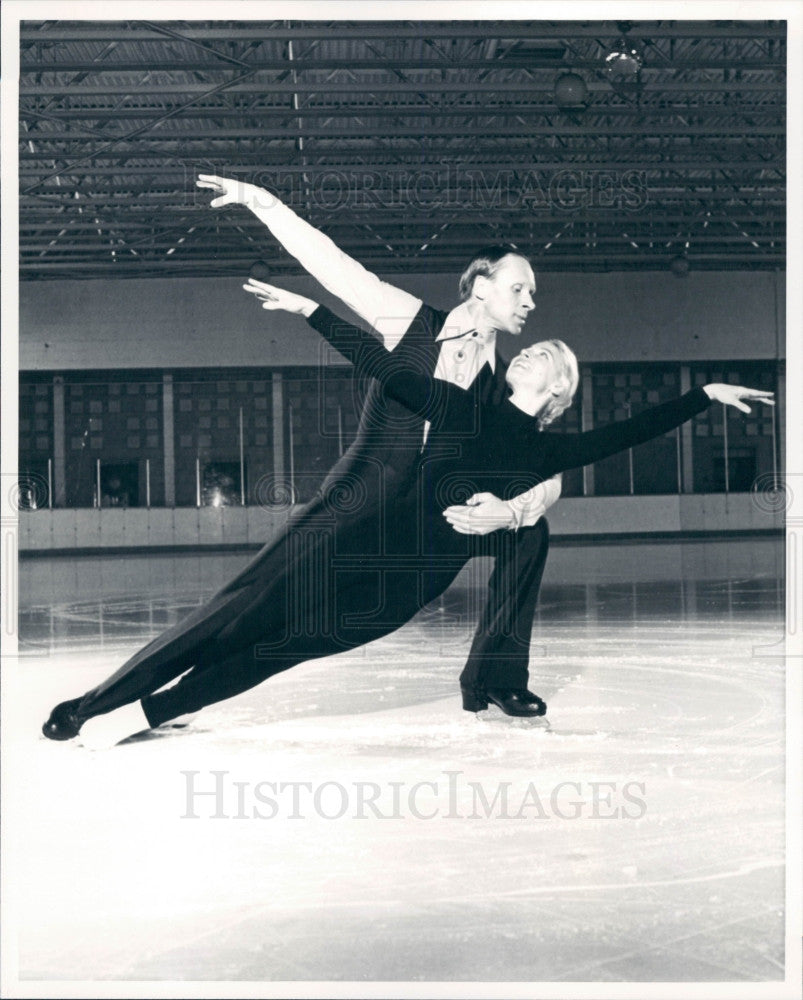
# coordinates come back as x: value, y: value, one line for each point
x: 207, y: 682
x: 500, y: 652
x: 258, y: 592
x: 219, y: 677
x: 366, y: 607
x: 162, y: 660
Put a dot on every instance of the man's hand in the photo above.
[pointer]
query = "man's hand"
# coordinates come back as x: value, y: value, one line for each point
x: 231, y: 191
x: 272, y: 297
x: 480, y: 515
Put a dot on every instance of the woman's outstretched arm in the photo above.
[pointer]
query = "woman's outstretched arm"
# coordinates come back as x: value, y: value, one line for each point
x: 567, y: 451
x: 411, y: 384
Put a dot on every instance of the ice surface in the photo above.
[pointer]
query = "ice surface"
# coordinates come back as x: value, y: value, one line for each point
x: 639, y: 838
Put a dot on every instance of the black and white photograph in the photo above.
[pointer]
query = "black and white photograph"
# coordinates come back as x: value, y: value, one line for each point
x: 402, y: 499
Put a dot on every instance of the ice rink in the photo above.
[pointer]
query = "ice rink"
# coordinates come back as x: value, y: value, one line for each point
x: 347, y: 821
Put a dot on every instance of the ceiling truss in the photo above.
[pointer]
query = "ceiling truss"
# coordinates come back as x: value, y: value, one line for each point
x: 409, y: 143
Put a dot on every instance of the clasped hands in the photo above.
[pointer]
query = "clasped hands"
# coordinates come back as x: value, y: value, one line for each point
x: 481, y: 514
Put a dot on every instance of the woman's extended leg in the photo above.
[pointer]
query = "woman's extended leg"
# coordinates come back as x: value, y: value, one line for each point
x: 362, y: 611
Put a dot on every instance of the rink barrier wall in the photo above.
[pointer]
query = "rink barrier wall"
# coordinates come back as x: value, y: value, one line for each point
x: 77, y: 531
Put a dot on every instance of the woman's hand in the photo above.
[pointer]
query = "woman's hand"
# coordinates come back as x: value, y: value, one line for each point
x: 234, y: 192
x: 272, y: 297
x: 732, y: 395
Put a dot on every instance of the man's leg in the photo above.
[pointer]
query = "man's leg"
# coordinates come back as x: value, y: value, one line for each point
x: 218, y: 677
x: 229, y: 663
x: 163, y: 659
x: 500, y: 653
x: 261, y: 585
x: 168, y: 656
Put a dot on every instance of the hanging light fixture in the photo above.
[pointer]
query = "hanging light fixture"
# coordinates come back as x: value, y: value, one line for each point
x: 259, y: 270
x: 571, y: 92
x: 624, y: 61
x: 679, y: 265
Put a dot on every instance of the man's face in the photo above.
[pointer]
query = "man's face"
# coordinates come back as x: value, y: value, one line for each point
x: 507, y: 296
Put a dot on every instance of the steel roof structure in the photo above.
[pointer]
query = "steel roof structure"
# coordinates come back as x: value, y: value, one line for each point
x: 410, y: 143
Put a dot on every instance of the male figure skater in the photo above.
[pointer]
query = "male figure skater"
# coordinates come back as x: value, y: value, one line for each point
x: 496, y: 291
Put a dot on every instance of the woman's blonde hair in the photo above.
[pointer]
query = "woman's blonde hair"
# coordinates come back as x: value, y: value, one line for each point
x: 569, y: 378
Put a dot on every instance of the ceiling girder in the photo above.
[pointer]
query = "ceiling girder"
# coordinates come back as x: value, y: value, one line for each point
x: 158, y: 88
x: 406, y: 125
x: 359, y: 132
x: 386, y: 65
x: 481, y: 31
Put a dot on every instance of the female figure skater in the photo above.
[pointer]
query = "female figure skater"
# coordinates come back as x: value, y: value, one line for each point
x: 474, y: 444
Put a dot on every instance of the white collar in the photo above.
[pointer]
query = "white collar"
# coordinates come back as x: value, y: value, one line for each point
x: 460, y: 323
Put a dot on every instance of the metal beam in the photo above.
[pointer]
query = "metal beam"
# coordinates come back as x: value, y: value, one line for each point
x: 711, y: 112
x: 92, y: 267
x: 204, y: 162
x: 399, y: 212
x: 385, y: 65
x: 180, y: 176
x: 398, y: 164
x: 28, y: 89
x: 230, y: 241
x: 532, y: 30
x: 394, y: 214
x: 363, y: 132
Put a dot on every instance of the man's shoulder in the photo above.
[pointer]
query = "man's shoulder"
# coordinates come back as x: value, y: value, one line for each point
x: 426, y: 324
x: 431, y: 316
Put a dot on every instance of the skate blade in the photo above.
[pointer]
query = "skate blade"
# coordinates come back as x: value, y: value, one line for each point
x: 494, y: 716
x: 181, y: 721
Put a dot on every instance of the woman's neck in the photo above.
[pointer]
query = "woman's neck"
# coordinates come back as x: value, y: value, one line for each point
x: 530, y: 403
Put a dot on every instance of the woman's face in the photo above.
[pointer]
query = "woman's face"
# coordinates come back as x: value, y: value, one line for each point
x: 536, y: 368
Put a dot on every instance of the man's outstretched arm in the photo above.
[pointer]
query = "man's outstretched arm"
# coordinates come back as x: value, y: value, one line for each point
x: 385, y: 308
